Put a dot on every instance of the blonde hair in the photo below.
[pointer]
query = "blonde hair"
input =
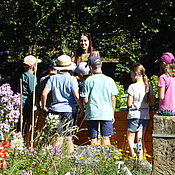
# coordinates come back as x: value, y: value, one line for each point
x: 138, y: 69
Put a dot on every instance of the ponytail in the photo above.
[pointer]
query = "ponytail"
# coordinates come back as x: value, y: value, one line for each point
x: 147, y: 89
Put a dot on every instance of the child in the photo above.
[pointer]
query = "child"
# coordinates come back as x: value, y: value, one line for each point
x: 140, y: 95
x: 65, y: 93
x: 166, y: 89
x: 27, y: 77
x: 43, y: 81
x: 99, y: 93
x: 82, y: 71
x: 166, y: 57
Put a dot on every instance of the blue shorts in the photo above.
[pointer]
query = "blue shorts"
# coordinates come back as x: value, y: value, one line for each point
x: 135, y: 125
x: 62, y: 122
x: 105, y: 127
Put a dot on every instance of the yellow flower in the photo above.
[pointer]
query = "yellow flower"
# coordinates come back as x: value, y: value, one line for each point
x: 125, y: 135
x: 120, y: 150
x: 116, y: 157
x: 98, y: 154
x: 147, y: 155
x: 115, y: 151
x: 43, y: 171
x: 106, y: 146
x: 81, y: 158
x: 120, y: 154
x: 144, y: 158
x: 111, y: 151
x: 127, y: 152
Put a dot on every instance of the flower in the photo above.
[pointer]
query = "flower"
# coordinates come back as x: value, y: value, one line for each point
x: 3, y: 165
x: 81, y: 158
x: 4, y: 153
x: 9, y: 107
x: 43, y: 171
x: 147, y: 155
x: 17, y: 142
x: 116, y: 157
x: 98, y: 154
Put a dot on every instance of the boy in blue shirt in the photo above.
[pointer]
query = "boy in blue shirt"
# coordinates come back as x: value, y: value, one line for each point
x: 65, y: 95
x: 98, y: 94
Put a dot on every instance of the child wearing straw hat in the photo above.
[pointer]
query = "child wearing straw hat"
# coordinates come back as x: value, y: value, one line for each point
x: 63, y: 109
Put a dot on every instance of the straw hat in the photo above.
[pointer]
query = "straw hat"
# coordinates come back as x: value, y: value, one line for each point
x: 30, y: 60
x: 64, y: 62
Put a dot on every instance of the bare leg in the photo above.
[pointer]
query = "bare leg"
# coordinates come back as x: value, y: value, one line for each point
x: 94, y: 141
x: 58, y: 141
x: 106, y: 141
x: 140, y: 139
x: 69, y: 144
x: 131, y: 138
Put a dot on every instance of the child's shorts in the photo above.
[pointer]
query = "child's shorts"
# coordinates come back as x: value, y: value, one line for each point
x: 62, y: 122
x: 104, y: 126
x: 135, y: 125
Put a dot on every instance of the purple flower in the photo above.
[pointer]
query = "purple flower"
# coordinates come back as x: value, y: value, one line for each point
x: 9, y: 107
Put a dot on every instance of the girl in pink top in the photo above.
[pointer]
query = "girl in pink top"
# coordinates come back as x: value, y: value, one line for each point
x: 166, y: 89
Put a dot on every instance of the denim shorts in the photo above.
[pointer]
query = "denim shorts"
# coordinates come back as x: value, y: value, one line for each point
x: 62, y: 122
x: 105, y: 128
x: 135, y: 125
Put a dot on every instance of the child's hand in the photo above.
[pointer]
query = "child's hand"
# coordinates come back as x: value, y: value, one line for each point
x: 113, y: 119
x: 45, y: 109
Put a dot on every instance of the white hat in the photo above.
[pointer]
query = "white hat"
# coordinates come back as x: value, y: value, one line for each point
x: 63, y: 62
x: 30, y: 60
x: 82, y: 68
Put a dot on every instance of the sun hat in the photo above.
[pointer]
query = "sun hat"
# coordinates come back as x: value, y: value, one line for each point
x: 82, y: 68
x: 166, y: 57
x: 64, y: 62
x: 30, y: 60
x: 94, y: 61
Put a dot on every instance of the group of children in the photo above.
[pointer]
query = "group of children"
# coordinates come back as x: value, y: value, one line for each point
x: 68, y: 85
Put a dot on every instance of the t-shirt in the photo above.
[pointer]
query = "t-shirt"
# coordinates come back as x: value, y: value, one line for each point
x: 139, y: 108
x: 168, y: 103
x: 62, y: 86
x: 27, y: 87
x: 98, y: 89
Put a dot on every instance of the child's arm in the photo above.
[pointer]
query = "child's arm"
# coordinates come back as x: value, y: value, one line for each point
x: 77, y: 98
x: 129, y: 101
x: 152, y: 100
x: 44, y: 98
x: 161, y: 92
x: 113, y: 100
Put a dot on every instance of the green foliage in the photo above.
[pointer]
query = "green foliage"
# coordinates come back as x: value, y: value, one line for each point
x: 154, y: 82
x: 120, y: 97
x: 123, y: 31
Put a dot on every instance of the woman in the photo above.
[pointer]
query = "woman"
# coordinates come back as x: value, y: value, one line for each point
x: 85, y: 49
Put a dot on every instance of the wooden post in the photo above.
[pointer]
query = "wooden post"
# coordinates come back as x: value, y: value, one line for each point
x: 21, y: 107
x: 33, y: 112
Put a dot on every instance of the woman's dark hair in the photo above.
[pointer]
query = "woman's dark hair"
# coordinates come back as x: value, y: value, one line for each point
x: 90, y: 49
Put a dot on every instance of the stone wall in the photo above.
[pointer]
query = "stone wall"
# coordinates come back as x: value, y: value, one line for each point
x: 163, y: 145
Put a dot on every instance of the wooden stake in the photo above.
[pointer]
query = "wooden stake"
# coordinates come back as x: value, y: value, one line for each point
x: 33, y: 112
x: 21, y: 107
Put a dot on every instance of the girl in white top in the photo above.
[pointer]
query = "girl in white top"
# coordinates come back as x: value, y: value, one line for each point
x: 140, y: 96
